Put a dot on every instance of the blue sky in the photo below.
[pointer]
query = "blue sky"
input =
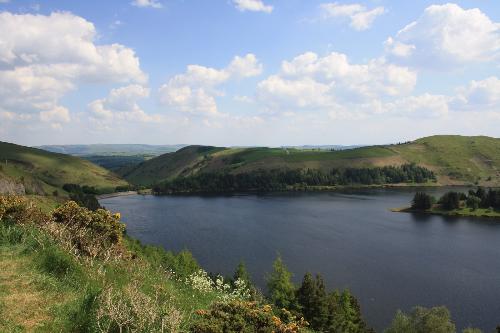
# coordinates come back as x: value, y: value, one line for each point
x: 247, y: 72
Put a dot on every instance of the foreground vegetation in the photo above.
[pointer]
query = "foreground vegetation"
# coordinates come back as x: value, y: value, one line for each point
x: 73, y: 270
x: 476, y: 203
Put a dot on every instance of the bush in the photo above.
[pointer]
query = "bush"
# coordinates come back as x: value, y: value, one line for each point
x: 18, y: 209
x: 94, y: 234
x: 246, y: 317
x: 131, y: 310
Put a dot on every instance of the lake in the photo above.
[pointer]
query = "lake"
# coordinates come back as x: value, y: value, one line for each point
x: 388, y: 260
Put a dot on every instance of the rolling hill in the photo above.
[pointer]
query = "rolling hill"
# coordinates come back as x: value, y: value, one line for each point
x: 35, y: 171
x: 454, y: 159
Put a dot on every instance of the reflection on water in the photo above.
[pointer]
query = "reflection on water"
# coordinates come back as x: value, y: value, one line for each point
x: 389, y: 260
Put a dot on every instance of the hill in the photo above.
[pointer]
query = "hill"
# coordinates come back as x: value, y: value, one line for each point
x: 35, y: 171
x: 454, y: 160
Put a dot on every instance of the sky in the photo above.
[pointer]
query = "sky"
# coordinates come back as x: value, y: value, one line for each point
x: 247, y: 72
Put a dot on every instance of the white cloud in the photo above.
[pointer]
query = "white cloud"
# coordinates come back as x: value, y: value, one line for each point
x: 309, y: 80
x: 50, y: 56
x: 122, y: 105
x: 56, y: 116
x: 446, y: 36
x: 479, y: 96
x: 360, y: 17
x: 195, y: 90
x: 252, y: 5
x: 147, y: 3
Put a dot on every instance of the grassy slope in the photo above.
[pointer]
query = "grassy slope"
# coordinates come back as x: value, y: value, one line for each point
x: 455, y: 159
x: 170, y: 165
x: 43, y: 172
x: 36, y: 296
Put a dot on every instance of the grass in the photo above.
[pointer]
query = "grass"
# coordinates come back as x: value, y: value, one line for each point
x: 43, y: 172
x: 43, y: 288
x: 456, y: 160
x: 466, y: 159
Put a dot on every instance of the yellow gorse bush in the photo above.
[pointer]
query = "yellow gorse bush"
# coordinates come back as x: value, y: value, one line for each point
x: 81, y: 231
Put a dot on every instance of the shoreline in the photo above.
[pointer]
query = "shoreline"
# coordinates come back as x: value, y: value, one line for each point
x: 479, y: 213
x: 116, y: 194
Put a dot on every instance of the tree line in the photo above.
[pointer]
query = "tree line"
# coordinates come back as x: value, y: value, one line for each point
x: 474, y: 199
x: 283, y: 179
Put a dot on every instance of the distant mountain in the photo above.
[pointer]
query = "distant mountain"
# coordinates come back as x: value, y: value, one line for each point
x: 324, y: 147
x: 36, y: 171
x: 112, y: 149
x: 454, y: 159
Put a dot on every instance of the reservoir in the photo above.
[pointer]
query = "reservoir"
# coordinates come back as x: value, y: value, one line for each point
x: 388, y: 260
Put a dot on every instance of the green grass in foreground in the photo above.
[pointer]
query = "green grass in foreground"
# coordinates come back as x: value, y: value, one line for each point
x: 45, y: 289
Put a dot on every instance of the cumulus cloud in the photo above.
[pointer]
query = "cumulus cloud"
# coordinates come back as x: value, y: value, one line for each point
x: 50, y: 56
x: 147, y: 3
x: 309, y: 80
x: 122, y: 105
x: 445, y: 36
x: 195, y: 90
x: 252, y: 5
x: 359, y: 16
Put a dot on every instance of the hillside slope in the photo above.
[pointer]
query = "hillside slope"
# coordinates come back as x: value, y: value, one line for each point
x: 36, y: 171
x: 454, y: 159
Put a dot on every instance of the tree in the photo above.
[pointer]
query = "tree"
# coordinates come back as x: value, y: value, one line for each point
x: 305, y: 296
x: 242, y: 274
x: 422, y: 201
x: 423, y: 320
x: 450, y: 201
x: 473, y: 202
x: 280, y: 286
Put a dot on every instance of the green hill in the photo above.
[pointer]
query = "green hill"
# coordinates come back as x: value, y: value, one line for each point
x: 36, y: 171
x: 454, y: 159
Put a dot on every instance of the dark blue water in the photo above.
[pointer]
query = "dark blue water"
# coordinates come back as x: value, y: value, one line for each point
x: 389, y: 260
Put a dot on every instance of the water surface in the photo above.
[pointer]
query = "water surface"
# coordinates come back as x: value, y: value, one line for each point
x: 389, y: 260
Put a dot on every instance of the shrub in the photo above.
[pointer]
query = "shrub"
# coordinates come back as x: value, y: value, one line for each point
x: 94, y: 234
x: 18, y: 209
x: 247, y: 317
x: 131, y: 310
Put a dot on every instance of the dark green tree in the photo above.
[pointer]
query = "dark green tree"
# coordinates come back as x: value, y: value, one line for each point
x: 305, y: 296
x: 450, y: 201
x: 422, y: 201
x: 473, y: 202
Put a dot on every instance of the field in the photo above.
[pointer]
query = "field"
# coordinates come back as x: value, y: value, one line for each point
x: 42, y: 172
x: 456, y: 160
